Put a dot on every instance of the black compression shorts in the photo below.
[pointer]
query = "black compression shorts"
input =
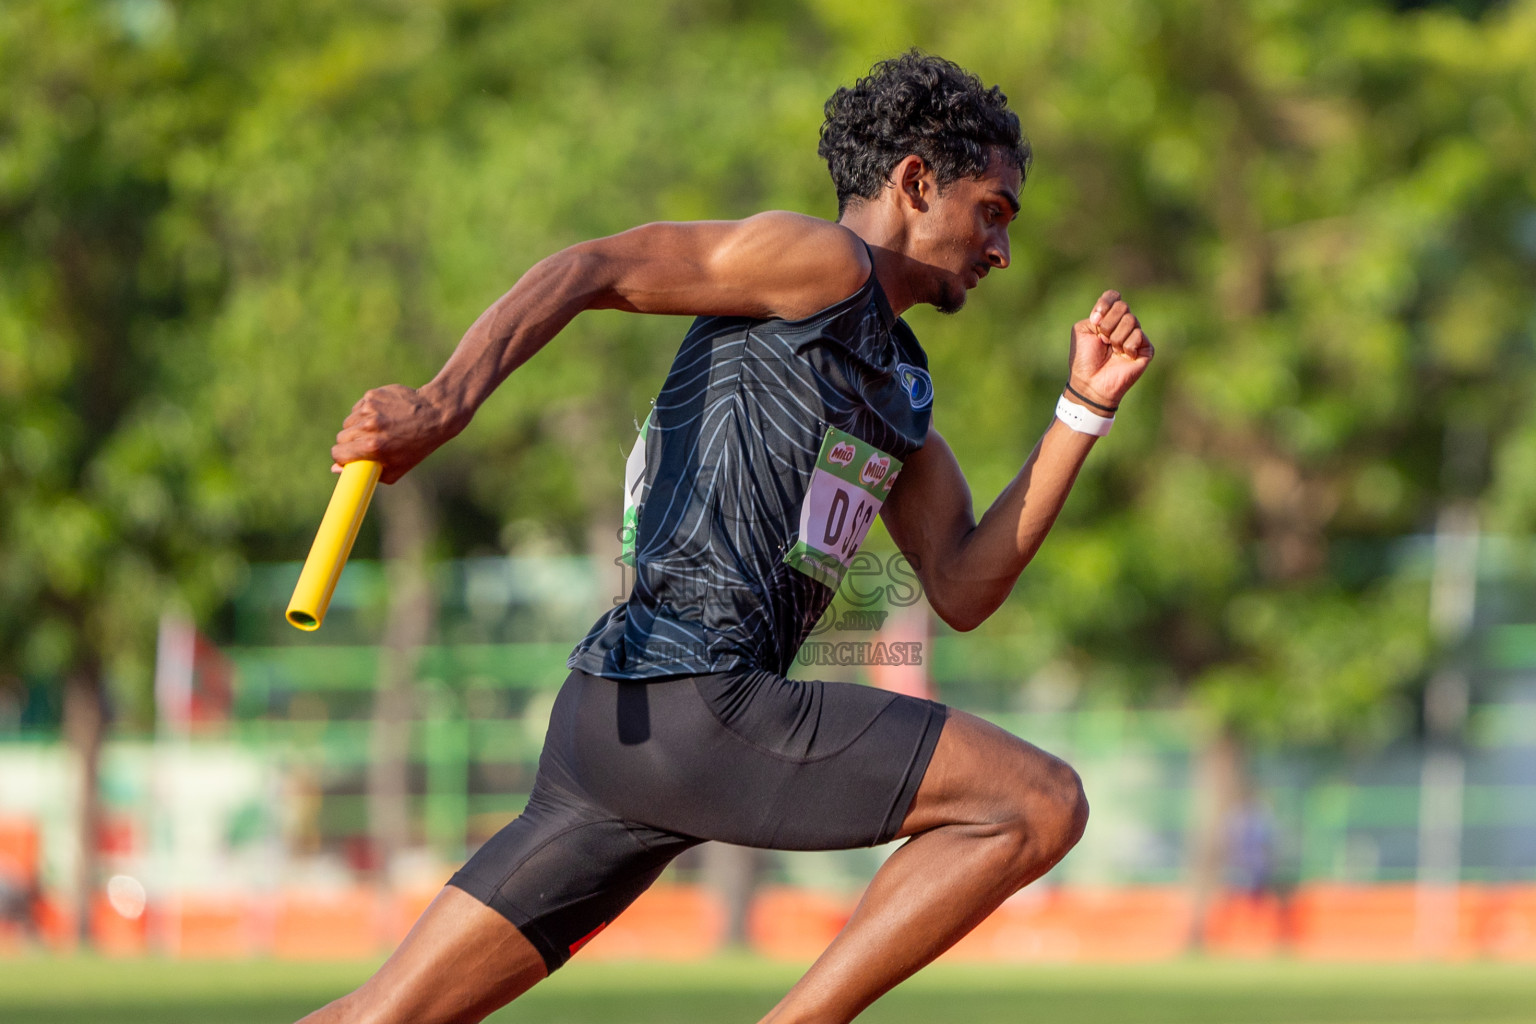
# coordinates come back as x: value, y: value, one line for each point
x: 634, y: 773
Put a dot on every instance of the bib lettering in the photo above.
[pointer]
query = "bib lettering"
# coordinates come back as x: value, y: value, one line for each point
x: 849, y: 484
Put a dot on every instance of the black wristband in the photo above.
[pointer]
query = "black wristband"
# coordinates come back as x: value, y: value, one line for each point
x: 1111, y: 409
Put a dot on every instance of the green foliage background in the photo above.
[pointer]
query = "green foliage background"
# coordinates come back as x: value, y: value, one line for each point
x: 220, y: 223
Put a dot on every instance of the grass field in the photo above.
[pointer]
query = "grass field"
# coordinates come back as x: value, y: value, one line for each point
x: 80, y: 990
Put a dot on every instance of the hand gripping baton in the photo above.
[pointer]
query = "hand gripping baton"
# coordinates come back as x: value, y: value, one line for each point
x: 343, y: 516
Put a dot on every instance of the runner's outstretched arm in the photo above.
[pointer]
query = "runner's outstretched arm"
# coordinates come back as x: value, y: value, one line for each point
x: 968, y: 568
x: 775, y: 264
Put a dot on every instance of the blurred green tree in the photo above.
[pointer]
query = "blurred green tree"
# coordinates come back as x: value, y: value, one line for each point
x: 115, y: 503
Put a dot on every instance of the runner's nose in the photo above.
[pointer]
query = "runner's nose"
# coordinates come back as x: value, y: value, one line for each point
x: 998, y: 253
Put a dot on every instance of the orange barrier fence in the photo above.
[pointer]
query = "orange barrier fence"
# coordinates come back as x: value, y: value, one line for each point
x: 344, y: 924
x: 1511, y: 925
x: 795, y: 924
x: 211, y: 926
x: 1083, y: 925
x: 673, y: 922
x: 1388, y: 922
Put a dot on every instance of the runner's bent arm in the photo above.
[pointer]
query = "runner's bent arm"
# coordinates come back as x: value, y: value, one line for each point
x: 968, y: 568
x: 776, y: 264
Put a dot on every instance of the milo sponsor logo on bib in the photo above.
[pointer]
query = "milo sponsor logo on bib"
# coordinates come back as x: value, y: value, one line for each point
x: 875, y: 470
x: 849, y: 484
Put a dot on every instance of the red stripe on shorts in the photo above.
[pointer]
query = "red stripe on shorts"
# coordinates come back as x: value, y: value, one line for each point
x: 587, y: 938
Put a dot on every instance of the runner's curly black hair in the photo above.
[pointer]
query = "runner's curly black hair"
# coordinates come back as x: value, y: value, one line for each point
x: 916, y: 103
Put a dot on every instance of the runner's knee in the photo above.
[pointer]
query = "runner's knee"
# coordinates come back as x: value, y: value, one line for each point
x: 1053, y: 810
x: 1069, y: 803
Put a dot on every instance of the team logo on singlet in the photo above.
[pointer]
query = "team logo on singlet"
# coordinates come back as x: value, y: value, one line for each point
x: 918, y: 384
x: 842, y: 454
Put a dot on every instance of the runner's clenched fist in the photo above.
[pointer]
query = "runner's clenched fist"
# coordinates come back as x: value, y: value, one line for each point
x: 1109, y: 351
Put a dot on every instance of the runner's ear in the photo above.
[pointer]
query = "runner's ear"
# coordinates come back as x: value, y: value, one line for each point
x: 913, y: 180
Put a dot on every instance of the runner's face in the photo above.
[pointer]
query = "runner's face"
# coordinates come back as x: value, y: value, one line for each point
x: 965, y: 234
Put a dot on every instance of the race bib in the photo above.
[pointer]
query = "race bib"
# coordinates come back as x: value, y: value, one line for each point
x: 849, y: 484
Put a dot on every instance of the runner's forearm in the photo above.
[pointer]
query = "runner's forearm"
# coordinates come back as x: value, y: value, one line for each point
x: 990, y: 558
x: 515, y: 327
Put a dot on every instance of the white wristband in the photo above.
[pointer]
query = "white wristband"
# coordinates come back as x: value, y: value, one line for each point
x: 1081, y: 420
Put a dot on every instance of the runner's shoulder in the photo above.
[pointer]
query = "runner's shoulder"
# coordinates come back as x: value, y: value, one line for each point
x: 809, y: 263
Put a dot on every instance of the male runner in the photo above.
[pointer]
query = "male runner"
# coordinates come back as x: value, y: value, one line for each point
x: 797, y: 407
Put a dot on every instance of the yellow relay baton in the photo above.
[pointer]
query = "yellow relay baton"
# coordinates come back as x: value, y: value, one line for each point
x: 343, y: 516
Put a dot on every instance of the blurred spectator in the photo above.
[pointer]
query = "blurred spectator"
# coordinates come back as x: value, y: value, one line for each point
x: 1251, y: 848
